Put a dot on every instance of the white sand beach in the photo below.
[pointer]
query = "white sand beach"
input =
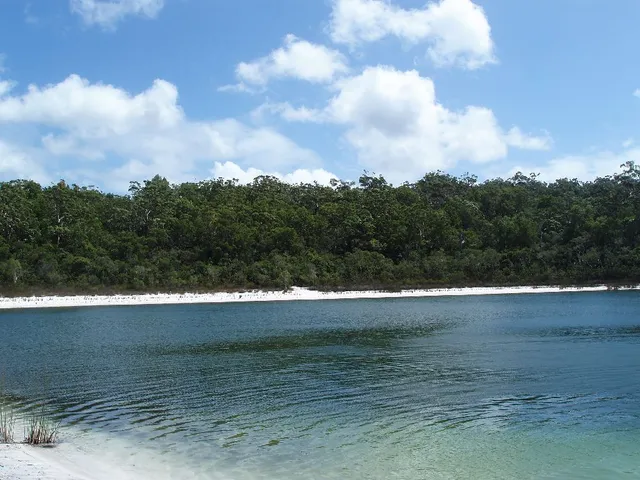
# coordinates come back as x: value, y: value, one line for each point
x: 62, y: 462
x: 295, y: 293
x: 21, y: 462
x: 107, y: 459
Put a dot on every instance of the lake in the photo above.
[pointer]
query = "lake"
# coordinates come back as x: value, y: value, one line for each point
x: 509, y: 386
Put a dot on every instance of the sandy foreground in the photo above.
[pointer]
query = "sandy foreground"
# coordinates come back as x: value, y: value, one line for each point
x: 296, y: 293
x: 24, y: 462
x: 20, y: 462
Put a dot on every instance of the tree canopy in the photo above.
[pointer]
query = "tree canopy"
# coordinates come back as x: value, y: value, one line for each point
x: 440, y: 230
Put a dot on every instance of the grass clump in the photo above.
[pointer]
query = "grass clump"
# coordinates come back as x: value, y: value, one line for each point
x: 7, y: 423
x: 7, y: 417
x: 40, y: 430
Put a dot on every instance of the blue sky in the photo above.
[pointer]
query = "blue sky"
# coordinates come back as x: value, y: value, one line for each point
x: 103, y: 92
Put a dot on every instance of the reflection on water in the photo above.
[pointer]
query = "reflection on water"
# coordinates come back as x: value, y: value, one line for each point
x: 482, y: 387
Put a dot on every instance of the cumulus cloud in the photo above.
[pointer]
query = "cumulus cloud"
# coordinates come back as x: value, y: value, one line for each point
x: 297, y: 59
x: 230, y: 170
x: 144, y: 133
x: 94, y: 109
x: 69, y: 146
x: 289, y: 113
x: 397, y: 127
x: 18, y: 163
x: 107, y: 13
x: 516, y: 138
x: 5, y: 87
x: 457, y: 32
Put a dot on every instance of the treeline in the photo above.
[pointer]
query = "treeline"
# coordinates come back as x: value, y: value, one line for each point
x: 441, y: 230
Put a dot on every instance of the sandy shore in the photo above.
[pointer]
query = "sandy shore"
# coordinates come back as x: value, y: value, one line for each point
x: 62, y: 462
x: 21, y: 462
x: 107, y: 459
x: 295, y: 293
x: 67, y: 461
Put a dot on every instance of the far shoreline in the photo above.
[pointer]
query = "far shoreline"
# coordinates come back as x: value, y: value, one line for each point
x: 292, y: 294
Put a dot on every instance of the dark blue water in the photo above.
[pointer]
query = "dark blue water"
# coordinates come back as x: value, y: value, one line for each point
x: 514, y: 386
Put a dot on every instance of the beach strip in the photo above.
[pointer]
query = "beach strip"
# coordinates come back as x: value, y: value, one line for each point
x: 293, y: 294
x: 64, y: 461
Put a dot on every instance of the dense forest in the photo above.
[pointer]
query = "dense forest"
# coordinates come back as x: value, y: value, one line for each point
x: 440, y: 230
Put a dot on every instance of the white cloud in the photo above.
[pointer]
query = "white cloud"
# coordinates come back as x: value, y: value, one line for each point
x: 636, y: 92
x: 297, y: 59
x: 397, y: 127
x: 145, y: 133
x: 94, y: 110
x: 107, y: 13
x: 230, y: 170
x: 583, y: 167
x: 17, y: 163
x: 5, y: 87
x: 516, y: 138
x: 240, y: 87
x: 68, y: 146
x: 289, y: 113
x: 457, y: 31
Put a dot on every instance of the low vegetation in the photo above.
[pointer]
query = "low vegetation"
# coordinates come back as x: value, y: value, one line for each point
x: 7, y: 423
x: 40, y: 430
x: 439, y: 231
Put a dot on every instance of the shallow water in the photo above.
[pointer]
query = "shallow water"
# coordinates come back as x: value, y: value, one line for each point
x: 514, y: 386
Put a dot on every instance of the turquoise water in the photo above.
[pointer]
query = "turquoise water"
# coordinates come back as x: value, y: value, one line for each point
x: 514, y: 386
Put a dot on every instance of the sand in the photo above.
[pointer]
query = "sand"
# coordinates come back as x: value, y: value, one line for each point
x: 67, y: 461
x: 296, y: 293
x: 25, y: 462
x: 21, y: 462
